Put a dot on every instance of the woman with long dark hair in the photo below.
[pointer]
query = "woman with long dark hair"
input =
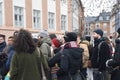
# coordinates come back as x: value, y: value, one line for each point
x: 26, y: 62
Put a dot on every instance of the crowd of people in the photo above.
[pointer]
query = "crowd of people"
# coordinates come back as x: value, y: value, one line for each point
x: 73, y: 57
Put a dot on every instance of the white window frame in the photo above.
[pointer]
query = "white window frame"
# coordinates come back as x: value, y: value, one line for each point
x: 36, y: 19
x: 63, y: 22
x: 18, y: 16
x: 51, y: 20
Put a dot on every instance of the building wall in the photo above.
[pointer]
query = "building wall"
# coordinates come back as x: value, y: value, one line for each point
x: 112, y: 24
x: 101, y: 26
x: 64, y: 10
x: 56, y: 6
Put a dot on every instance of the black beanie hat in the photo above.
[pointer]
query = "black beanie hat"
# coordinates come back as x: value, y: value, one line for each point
x: 118, y: 31
x: 99, y: 31
x: 70, y: 36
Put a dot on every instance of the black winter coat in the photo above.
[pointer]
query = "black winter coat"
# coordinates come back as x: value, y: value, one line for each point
x: 2, y: 46
x: 100, y: 56
x: 71, y: 61
x: 116, y: 59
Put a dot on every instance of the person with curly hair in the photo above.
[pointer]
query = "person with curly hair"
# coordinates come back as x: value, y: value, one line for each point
x: 26, y: 60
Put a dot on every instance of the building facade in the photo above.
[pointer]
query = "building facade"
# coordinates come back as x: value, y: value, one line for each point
x: 102, y: 22
x: 87, y: 26
x: 116, y: 13
x: 77, y: 16
x: 35, y: 15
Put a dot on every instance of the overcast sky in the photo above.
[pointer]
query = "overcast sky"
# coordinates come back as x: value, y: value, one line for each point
x: 94, y: 7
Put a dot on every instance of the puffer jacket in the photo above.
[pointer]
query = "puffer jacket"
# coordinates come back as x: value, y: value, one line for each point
x: 84, y: 45
x: 70, y: 63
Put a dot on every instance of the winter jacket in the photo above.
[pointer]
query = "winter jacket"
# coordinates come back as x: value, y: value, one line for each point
x: 84, y: 45
x: 45, y: 47
x: 116, y: 59
x: 101, y: 55
x: 26, y: 66
x: 10, y: 54
x: 71, y: 62
x: 2, y: 46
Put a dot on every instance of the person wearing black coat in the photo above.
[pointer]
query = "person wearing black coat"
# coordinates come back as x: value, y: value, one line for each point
x: 70, y: 58
x: 115, y: 62
x: 100, y: 54
x: 2, y: 42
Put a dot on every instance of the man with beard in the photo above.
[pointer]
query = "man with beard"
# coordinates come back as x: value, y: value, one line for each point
x: 101, y: 54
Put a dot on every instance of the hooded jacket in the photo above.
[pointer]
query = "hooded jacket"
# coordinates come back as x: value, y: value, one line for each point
x: 45, y: 47
x: 71, y: 62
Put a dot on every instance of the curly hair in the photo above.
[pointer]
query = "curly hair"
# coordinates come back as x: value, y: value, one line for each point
x: 23, y: 42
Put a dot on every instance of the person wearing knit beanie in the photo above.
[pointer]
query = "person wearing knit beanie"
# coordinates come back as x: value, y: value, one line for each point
x: 99, y: 32
x: 43, y: 33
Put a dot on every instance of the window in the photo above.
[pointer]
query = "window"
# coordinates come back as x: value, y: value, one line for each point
x: 97, y: 26
x: 107, y: 18
x: 1, y: 14
x: 18, y: 16
x: 63, y: 22
x: 100, y: 18
x: 51, y: 20
x: 105, y: 25
x: 36, y: 19
x: 63, y: 1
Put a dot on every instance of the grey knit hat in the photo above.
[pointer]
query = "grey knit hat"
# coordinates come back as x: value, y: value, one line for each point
x: 43, y: 33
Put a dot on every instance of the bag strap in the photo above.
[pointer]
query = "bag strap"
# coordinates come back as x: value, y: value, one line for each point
x: 99, y: 46
x: 42, y: 69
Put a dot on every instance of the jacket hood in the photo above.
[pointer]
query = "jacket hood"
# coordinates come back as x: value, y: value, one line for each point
x: 85, y: 42
x: 76, y: 52
x: 46, y: 40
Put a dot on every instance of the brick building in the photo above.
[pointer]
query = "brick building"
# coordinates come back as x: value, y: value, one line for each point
x: 102, y: 22
x: 35, y: 15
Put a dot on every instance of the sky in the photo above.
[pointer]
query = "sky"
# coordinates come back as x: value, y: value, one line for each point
x: 94, y: 7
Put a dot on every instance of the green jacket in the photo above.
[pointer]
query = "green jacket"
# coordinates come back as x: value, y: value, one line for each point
x: 25, y: 66
x: 46, y: 47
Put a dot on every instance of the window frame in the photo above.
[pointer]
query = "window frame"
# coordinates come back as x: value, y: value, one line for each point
x: 18, y: 16
x: 37, y: 19
x: 63, y: 21
x: 51, y: 20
